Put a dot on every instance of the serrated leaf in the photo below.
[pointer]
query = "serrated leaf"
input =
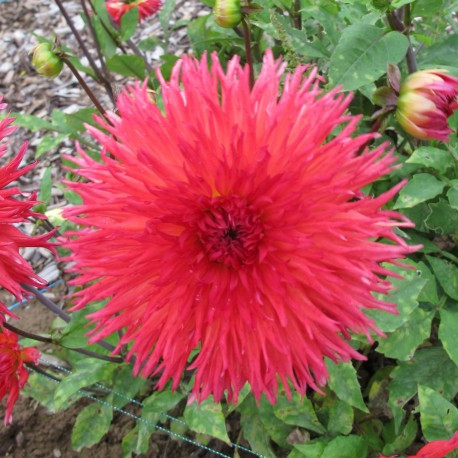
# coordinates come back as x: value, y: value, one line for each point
x: 207, y: 418
x: 438, y: 417
x: 429, y: 366
x: 443, y: 218
x: 274, y: 427
x: 420, y: 188
x: 92, y: 423
x: 402, y: 343
x: 298, y: 412
x: 129, y: 23
x: 362, y: 55
x: 448, y: 330
x: 127, y: 65
x: 435, y: 158
x: 344, y: 382
x: 447, y: 275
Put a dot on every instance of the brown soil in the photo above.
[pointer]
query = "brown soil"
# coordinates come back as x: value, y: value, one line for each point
x: 38, y: 433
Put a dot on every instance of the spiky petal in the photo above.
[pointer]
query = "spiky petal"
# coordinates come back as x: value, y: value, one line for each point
x: 14, y: 269
x: 13, y: 373
x: 234, y: 222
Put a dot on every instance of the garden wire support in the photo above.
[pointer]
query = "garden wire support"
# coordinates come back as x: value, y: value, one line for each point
x: 123, y: 396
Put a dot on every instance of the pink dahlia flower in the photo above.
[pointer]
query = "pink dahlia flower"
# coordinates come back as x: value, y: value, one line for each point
x: 233, y: 222
x: 13, y: 374
x: 146, y: 8
x: 14, y: 270
x: 426, y: 100
x: 435, y: 449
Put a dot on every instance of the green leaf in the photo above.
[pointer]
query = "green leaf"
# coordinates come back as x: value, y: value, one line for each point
x: 362, y: 55
x: 438, y: 417
x: 402, y: 343
x: 77, y: 120
x: 452, y: 196
x: 298, y: 412
x: 344, y: 382
x: 448, y: 330
x: 429, y: 366
x: 42, y: 390
x: 165, y: 14
x: 399, y: 441
x: 207, y: 418
x: 129, y: 23
x: 434, y: 158
x: 48, y: 143
x: 443, y: 219
x: 127, y: 385
x: 107, y: 43
x: 153, y: 410
x: 427, y: 8
x: 340, y: 418
x: 127, y: 65
x: 253, y: 429
x: 311, y: 449
x: 92, y: 423
x: 45, y: 188
x: 31, y: 122
x: 274, y: 427
x: 91, y: 372
x: 346, y: 447
x: 420, y: 188
x: 447, y: 275
x: 405, y: 296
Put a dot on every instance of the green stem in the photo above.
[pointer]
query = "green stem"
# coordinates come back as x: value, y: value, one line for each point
x: 247, y: 40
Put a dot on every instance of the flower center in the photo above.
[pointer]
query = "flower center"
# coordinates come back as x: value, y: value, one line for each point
x: 230, y: 231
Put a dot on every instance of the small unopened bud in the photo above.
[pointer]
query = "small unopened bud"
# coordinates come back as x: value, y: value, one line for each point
x: 45, y: 61
x: 227, y: 13
x: 426, y: 99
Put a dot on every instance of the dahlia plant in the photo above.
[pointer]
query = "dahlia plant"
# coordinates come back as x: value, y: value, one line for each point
x: 257, y: 237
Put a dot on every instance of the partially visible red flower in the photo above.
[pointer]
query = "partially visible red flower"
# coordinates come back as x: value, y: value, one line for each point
x: 14, y: 269
x: 146, y: 8
x: 435, y: 449
x: 426, y: 100
x: 13, y: 373
x: 233, y: 221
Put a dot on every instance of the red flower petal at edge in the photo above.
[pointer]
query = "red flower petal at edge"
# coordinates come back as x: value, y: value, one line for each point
x: 14, y: 269
x: 13, y: 373
x: 146, y: 8
x: 234, y: 222
x: 435, y: 449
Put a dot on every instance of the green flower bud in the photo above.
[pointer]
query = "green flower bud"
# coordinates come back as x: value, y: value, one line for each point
x: 227, y: 13
x: 45, y: 61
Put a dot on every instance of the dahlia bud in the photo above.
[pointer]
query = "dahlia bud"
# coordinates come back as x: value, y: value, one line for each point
x: 426, y: 100
x: 45, y: 61
x: 227, y: 13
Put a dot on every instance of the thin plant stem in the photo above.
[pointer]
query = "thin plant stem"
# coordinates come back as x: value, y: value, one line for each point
x: 397, y: 24
x: 86, y: 88
x: 105, y: 77
x: 247, y: 40
x: 137, y: 51
x: 58, y: 311
x: 79, y: 39
x: 37, y: 368
x: 92, y: 354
